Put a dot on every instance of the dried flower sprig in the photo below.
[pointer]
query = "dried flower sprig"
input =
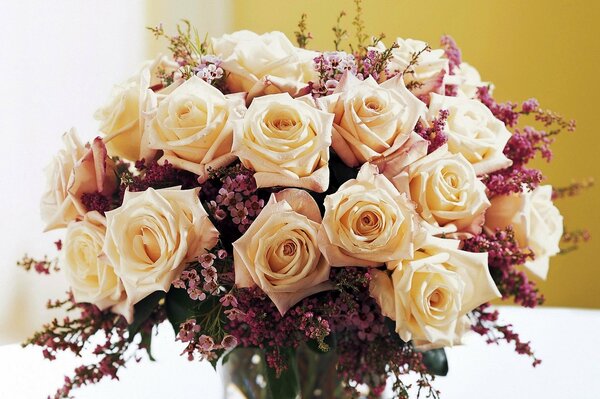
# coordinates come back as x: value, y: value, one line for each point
x: 485, y: 322
x: 302, y: 35
x: 339, y: 33
x: 43, y: 266
x: 573, y: 189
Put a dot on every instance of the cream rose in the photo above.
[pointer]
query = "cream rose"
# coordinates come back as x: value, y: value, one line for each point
x: 537, y: 224
x: 264, y: 64
x: 428, y: 72
x: 151, y: 237
x: 88, y: 272
x: 367, y: 222
x: 473, y: 131
x: 429, y: 296
x: 374, y: 123
x: 279, y: 253
x: 467, y: 80
x: 447, y: 192
x: 123, y: 118
x: 74, y: 171
x: 193, y: 126
x: 286, y: 142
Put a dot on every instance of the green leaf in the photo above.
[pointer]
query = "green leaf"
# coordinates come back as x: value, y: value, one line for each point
x: 147, y: 343
x: 142, y: 311
x: 436, y: 362
x: 287, y: 385
x: 180, y: 307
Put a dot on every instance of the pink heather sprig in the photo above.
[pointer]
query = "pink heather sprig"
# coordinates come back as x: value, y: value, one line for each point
x: 96, y: 202
x: 43, y: 266
x: 114, y: 349
x: 573, y: 189
x: 434, y: 134
x: 504, y: 257
x: 201, y: 279
x: 201, y: 346
x: 331, y: 67
x: 571, y: 240
x: 452, y: 52
x: 485, y: 322
x: 209, y: 69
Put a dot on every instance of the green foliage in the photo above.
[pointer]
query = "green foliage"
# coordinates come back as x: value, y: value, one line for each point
x: 142, y: 311
x: 286, y: 384
x: 436, y: 362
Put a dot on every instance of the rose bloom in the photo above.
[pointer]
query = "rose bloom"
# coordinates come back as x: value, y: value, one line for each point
x: 447, y: 192
x: 374, y: 123
x: 74, y: 171
x: 367, y: 222
x: 286, y: 142
x: 467, y: 80
x: 430, y: 295
x: 253, y: 62
x: 279, y: 252
x: 151, y: 237
x: 122, y: 118
x: 473, y: 131
x: 427, y: 74
x: 89, y: 273
x: 537, y: 224
x: 193, y: 126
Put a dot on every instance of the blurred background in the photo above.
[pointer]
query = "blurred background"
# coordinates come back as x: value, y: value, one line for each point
x: 61, y: 58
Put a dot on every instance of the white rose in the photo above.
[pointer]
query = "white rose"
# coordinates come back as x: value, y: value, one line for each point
x: 367, y: 222
x: 193, y: 126
x: 447, y: 192
x: 428, y: 72
x: 374, y: 123
x: 467, y: 80
x: 430, y: 295
x: 286, y: 142
x: 537, y: 224
x: 279, y: 252
x: 123, y: 118
x: 251, y: 60
x: 151, y: 237
x: 473, y: 131
x: 74, y: 171
x: 89, y: 273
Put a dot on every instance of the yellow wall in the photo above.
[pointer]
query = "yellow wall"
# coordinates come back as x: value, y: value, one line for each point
x: 544, y: 48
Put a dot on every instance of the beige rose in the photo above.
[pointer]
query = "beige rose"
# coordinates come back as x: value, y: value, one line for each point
x: 429, y: 296
x: 286, y: 142
x: 447, y: 192
x: 374, y: 123
x: 536, y: 221
x: 88, y: 271
x: 123, y: 118
x: 75, y: 170
x: 473, y: 131
x: 368, y: 222
x: 264, y: 64
x: 428, y: 72
x: 193, y: 126
x: 467, y: 80
x: 151, y: 237
x: 279, y: 253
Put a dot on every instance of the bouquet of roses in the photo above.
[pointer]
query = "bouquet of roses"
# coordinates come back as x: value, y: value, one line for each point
x: 351, y: 208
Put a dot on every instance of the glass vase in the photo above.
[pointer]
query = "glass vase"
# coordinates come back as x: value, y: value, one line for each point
x: 243, y: 375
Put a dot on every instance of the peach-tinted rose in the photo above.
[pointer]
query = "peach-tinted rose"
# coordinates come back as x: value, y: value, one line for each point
x: 427, y: 74
x: 473, y: 131
x: 367, y: 222
x: 279, y: 253
x: 193, y: 126
x: 75, y: 170
x: 123, y: 118
x: 429, y: 296
x: 151, y: 237
x: 286, y: 142
x: 89, y: 273
x: 374, y: 123
x: 264, y: 64
x: 536, y: 221
x: 448, y: 195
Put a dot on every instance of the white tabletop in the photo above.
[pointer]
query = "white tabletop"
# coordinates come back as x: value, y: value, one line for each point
x: 565, y: 339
